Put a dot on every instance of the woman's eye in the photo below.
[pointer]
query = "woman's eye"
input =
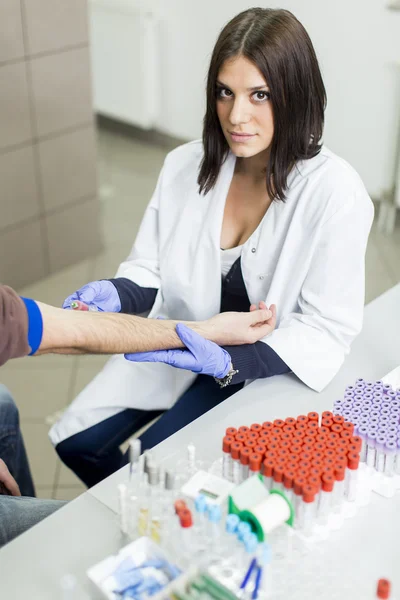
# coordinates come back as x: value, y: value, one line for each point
x: 261, y: 96
x: 224, y: 93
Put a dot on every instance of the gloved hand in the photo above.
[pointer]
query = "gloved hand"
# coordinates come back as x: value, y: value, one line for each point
x: 102, y: 294
x: 199, y: 356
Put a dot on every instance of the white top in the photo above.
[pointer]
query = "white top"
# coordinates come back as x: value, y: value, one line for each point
x: 306, y: 256
x: 228, y: 257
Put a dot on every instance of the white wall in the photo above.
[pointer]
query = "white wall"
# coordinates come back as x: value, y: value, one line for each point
x: 356, y: 41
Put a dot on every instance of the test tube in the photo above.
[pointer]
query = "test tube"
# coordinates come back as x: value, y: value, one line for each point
x: 135, y: 447
x: 338, y: 493
x: 267, y: 472
x: 325, y: 496
x: 235, y: 455
x: 186, y: 522
x: 397, y: 458
x: 123, y: 507
x: 380, y: 446
x: 201, y: 507
x: 308, y: 508
x: 191, y: 450
x: 352, y: 476
x: 226, y: 457
x: 298, y: 484
x: 288, y: 477
x: 371, y: 449
x: 391, y: 448
x: 254, y: 463
x: 245, y: 454
x: 277, y: 478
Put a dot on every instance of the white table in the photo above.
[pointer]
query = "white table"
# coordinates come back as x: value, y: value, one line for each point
x: 86, y: 530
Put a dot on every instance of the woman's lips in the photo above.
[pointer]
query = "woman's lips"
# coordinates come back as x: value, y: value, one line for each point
x: 241, y: 137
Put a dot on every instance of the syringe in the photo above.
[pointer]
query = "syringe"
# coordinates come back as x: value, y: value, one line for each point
x: 78, y: 305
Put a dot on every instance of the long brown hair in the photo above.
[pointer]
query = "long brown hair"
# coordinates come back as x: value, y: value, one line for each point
x: 279, y: 46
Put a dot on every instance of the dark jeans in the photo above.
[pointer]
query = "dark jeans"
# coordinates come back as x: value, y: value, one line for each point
x: 12, y: 448
x: 94, y: 453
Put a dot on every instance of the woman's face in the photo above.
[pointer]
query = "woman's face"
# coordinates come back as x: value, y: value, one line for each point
x: 244, y: 107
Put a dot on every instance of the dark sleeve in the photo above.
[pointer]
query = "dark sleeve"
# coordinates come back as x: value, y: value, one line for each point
x: 13, y: 325
x: 255, y: 361
x: 134, y: 298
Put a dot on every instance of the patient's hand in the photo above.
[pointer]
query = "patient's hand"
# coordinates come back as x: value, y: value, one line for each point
x: 8, y: 481
x: 234, y: 328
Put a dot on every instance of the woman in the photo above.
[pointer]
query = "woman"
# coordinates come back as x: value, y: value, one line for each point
x: 292, y: 219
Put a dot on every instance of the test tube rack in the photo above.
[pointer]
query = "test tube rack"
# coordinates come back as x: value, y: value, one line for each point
x: 374, y: 408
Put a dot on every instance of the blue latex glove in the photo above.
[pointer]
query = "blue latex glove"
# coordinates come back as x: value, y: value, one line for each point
x: 200, y: 355
x: 102, y: 294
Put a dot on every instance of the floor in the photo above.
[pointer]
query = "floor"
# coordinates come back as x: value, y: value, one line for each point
x: 43, y: 387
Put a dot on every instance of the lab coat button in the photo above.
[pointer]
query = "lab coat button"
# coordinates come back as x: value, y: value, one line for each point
x: 253, y: 250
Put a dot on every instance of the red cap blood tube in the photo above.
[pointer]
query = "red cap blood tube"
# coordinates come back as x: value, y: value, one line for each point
x: 301, y: 427
x: 271, y: 455
x: 324, y: 430
x: 186, y: 521
x: 327, y: 422
x: 252, y: 435
x: 355, y: 439
x: 267, y: 426
x: 290, y: 421
x: 288, y: 477
x: 255, y: 463
x: 284, y: 445
x: 260, y: 449
x: 325, y: 501
x: 327, y: 414
x: 245, y: 454
x: 338, y: 494
x: 241, y: 437
x: 338, y: 419
x: 383, y: 589
x: 226, y: 457
x: 347, y: 426
x: 291, y: 465
x: 301, y: 419
x: 298, y: 484
x: 264, y: 440
x: 256, y: 427
x: 279, y: 423
x: 231, y: 431
x: 277, y: 431
x: 289, y: 429
x: 353, y: 461
x: 313, y: 416
x: 312, y: 428
x: 268, y: 471
x: 249, y: 443
x: 179, y: 506
x: 235, y: 454
x: 309, y: 440
x: 308, y: 508
x: 346, y: 435
x: 278, y: 478
x: 336, y: 428
x: 244, y: 429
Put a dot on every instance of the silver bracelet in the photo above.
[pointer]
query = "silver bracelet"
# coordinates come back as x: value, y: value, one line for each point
x: 227, y: 379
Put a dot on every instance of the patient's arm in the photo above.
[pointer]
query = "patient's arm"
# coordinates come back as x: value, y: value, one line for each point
x: 76, y: 332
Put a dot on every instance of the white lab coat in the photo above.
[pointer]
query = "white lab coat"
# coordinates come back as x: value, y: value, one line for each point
x: 306, y: 256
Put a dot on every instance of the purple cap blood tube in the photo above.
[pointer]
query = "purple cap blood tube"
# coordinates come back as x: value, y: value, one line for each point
x: 391, y: 451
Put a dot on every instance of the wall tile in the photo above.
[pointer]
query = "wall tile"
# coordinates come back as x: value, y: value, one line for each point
x: 21, y: 255
x: 54, y: 24
x: 62, y: 90
x: 11, y: 40
x: 74, y: 233
x: 68, y: 167
x: 15, y: 122
x: 19, y: 194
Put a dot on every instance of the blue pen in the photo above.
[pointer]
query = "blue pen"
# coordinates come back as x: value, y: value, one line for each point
x: 254, y: 595
x: 245, y: 581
